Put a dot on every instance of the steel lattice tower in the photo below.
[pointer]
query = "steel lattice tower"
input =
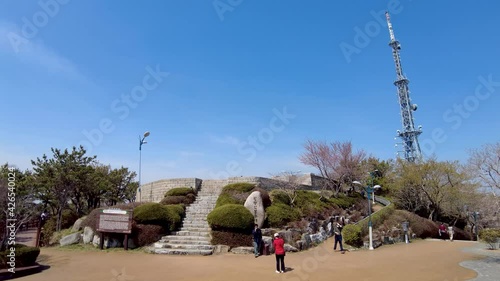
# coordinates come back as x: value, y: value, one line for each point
x: 409, y: 135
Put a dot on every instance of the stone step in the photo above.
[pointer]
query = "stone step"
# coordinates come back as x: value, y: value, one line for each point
x: 165, y: 251
x: 197, y: 219
x: 196, y: 229
x: 192, y: 233
x: 185, y: 242
x: 184, y: 246
x: 199, y: 209
x: 192, y: 239
x: 196, y: 225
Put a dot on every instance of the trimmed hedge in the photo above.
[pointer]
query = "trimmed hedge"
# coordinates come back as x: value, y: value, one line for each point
x: 157, y: 214
x: 25, y: 256
x: 232, y: 239
x: 231, y: 217
x: 279, y: 214
x: 145, y: 234
x: 351, y: 234
x: 234, y: 194
x: 180, y: 191
x: 178, y: 199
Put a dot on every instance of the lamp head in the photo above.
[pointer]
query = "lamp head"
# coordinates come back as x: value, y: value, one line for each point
x: 357, y: 183
x: 146, y: 134
x: 377, y: 186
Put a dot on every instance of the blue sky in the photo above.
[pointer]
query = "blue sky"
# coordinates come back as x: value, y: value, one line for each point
x: 205, y: 76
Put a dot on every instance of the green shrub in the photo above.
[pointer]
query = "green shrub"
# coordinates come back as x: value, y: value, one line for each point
x: 145, y: 234
x: 152, y: 213
x: 490, y: 236
x: 25, y: 256
x: 343, y: 201
x: 231, y: 238
x: 180, y: 191
x: 231, y: 217
x: 278, y: 196
x: 239, y: 187
x: 181, y: 199
x: 310, y: 204
x: 235, y: 193
x: 176, y: 213
x: 279, y: 214
x: 378, y: 218
x: 351, y: 234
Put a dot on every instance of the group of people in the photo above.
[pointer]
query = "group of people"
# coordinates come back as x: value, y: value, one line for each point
x: 443, y: 231
x: 279, y: 244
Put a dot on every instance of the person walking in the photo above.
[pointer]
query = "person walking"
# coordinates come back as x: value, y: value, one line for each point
x: 337, y: 231
x: 450, y: 232
x: 279, y: 251
x: 442, y: 230
x: 257, y: 240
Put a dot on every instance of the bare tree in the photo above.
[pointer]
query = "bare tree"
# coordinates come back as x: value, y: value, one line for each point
x: 484, y: 164
x: 335, y: 161
x: 289, y: 183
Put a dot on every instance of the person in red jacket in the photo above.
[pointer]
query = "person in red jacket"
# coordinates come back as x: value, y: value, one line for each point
x: 279, y: 250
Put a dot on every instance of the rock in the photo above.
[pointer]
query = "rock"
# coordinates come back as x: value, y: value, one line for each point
x: 268, y: 240
x: 268, y: 231
x: 221, y: 249
x: 290, y: 248
x: 242, y: 250
x: 317, y: 238
x: 313, y: 226
x: 71, y: 239
x: 300, y: 245
x: 54, y: 239
x: 287, y: 236
x: 256, y: 207
x: 96, y: 240
x: 88, y: 235
x: 306, y: 241
x: 329, y: 228
x: 77, y: 226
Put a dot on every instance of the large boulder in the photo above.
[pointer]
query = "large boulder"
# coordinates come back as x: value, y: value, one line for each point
x: 88, y: 235
x: 256, y: 207
x: 71, y: 239
x: 77, y: 226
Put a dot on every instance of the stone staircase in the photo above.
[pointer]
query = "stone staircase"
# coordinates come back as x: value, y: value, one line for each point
x: 194, y: 236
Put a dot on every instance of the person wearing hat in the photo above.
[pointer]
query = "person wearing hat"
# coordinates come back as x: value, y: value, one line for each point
x: 279, y: 251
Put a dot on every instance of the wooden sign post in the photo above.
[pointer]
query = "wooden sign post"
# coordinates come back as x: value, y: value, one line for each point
x: 115, y: 221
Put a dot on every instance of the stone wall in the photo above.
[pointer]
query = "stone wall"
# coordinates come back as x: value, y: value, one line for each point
x: 155, y: 191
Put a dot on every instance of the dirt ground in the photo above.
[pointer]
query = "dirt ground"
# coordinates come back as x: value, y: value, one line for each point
x: 420, y: 260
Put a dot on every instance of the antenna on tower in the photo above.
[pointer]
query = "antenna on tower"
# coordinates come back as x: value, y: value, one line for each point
x: 408, y: 135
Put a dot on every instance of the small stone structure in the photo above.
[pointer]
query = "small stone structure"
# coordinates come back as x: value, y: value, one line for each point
x: 256, y: 207
x: 155, y: 191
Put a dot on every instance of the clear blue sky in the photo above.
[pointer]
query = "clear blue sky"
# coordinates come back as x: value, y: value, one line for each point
x: 69, y: 67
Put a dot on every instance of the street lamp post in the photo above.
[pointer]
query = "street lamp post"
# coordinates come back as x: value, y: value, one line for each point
x: 368, y: 190
x: 141, y: 142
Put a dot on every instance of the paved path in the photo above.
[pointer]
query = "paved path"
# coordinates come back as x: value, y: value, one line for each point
x: 488, y: 268
x: 419, y: 260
